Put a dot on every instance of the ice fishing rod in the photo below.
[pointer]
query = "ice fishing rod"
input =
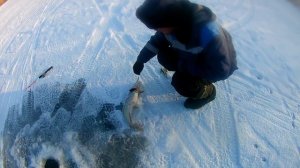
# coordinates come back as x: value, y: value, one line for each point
x: 42, y: 75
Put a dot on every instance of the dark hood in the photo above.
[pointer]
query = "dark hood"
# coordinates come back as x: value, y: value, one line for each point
x: 166, y: 13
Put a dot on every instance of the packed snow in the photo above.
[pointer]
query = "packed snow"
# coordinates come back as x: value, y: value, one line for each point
x: 73, y: 114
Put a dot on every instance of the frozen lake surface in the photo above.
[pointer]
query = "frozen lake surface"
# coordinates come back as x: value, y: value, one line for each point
x: 73, y: 114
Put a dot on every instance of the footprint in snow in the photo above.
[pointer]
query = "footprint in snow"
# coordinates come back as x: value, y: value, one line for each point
x: 293, y: 124
x: 264, y: 159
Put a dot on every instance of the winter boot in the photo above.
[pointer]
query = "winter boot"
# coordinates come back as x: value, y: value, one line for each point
x: 205, y: 96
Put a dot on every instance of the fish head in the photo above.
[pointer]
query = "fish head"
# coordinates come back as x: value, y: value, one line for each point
x: 138, y: 87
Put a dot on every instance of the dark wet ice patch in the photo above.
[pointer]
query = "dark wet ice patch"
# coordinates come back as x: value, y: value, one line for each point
x: 122, y: 151
x: 70, y: 96
x: 83, y: 131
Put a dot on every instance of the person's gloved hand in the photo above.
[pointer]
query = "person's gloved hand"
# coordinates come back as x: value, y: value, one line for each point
x: 138, y: 67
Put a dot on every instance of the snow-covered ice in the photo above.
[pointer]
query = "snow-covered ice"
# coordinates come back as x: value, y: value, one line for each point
x: 92, y: 45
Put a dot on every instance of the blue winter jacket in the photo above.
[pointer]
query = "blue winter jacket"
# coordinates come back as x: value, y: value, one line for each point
x: 204, y: 49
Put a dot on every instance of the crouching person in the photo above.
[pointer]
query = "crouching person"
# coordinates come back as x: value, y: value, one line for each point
x: 189, y: 41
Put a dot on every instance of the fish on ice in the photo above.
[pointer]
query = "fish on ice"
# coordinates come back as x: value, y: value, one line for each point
x: 130, y: 106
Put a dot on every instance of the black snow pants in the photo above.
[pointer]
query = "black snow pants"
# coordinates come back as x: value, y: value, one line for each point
x: 184, y: 84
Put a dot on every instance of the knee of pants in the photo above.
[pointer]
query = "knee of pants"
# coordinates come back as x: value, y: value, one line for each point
x: 185, y: 87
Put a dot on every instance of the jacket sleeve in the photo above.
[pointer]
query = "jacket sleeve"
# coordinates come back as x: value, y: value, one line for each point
x: 156, y: 42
